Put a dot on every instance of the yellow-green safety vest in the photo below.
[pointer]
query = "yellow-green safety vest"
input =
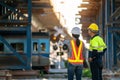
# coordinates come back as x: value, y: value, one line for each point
x: 97, y: 43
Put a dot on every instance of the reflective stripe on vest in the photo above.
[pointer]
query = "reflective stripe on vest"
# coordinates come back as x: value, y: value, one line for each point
x: 78, y: 57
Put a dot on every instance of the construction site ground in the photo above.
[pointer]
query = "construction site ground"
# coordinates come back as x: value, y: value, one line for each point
x: 55, y: 74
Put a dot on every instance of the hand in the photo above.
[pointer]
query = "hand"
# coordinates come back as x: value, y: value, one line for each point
x: 90, y: 59
x: 104, y: 50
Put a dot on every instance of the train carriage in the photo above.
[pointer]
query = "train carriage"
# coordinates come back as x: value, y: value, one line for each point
x: 40, y: 44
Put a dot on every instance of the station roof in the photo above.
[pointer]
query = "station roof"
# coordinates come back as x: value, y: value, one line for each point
x: 42, y: 7
x: 45, y: 17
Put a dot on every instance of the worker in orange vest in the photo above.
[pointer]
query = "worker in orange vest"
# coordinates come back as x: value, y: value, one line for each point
x: 75, y: 55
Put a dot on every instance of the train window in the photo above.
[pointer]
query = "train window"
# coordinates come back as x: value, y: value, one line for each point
x: 19, y: 47
x: 43, y: 46
x: 1, y: 47
x: 35, y: 46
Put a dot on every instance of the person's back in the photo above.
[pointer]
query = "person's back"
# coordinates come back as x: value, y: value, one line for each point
x: 75, y: 55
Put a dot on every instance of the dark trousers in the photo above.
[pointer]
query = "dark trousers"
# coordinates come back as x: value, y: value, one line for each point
x: 74, y: 70
x: 96, y: 69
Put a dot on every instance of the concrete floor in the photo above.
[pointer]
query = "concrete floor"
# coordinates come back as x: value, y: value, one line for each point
x: 64, y: 79
x: 51, y: 79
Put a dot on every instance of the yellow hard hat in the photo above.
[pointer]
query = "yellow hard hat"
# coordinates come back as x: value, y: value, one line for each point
x: 93, y: 27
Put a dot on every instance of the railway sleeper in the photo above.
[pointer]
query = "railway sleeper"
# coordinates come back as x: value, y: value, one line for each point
x: 25, y: 74
x: 5, y: 75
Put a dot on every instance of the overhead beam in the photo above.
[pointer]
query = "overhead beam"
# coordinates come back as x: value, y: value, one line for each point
x: 91, y: 4
x: 36, y: 5
x: 86, y: 12
x: 87, y: 19
x: 42, y: 5
x: 13, y: 22
x: 91, y: 0
x: 40, y: 1
x: 34, y: 10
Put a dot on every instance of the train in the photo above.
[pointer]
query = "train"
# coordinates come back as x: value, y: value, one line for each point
x: 40, y: 51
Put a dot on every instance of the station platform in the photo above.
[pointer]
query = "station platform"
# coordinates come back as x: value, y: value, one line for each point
x: 58, y: 70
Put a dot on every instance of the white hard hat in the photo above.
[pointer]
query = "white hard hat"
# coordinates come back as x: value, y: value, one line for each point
x: 75, y: 30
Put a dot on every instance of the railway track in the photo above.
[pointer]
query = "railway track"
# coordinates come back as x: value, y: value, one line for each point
x: 55, y: 74
x: 19, y: 74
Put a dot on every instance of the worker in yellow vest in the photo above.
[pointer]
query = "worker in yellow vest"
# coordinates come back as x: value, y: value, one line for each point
x: 75, y: 55
x: 96, y: 50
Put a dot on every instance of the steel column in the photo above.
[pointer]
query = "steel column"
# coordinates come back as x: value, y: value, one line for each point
x: 29, y: 35
x: 108, y: 37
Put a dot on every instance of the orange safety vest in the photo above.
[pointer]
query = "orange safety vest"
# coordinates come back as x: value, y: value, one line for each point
x: 76, y: 57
